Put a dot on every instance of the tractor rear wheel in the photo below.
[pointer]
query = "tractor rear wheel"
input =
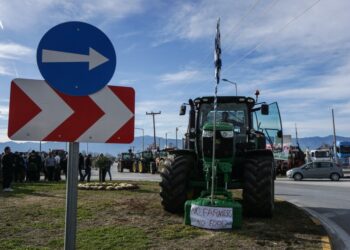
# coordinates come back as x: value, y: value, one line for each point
x: 141, y: 167
x: 174, y: 185
x: 134, y: 167
x: 259, y: 187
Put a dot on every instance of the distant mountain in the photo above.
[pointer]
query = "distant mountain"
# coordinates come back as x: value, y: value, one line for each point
x: 316, y: 141
x: 114, y: 149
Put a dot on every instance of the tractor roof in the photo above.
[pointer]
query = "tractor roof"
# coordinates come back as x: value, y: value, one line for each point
x: 226, y: 99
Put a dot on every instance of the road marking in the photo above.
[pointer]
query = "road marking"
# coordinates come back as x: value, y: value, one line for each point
x: 317, y: 219
x: 326, y: 245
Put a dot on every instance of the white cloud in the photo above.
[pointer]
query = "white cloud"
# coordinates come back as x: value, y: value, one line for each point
x: 4, y: 111
x: 31, y: 13
x: 179, y: 77
x: 316, y: 30
x: 3, y: 135
x: 112, y: 9
x: 5, y: 71
x: 1, y: 25
x: 14, y: 51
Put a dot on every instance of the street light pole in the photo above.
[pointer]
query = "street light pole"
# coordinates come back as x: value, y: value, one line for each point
x: 234, y: 83
x: 143, y: 138
x: 177, y: 129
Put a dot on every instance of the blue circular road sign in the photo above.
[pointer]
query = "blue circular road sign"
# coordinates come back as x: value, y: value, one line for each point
x: 76, y: 58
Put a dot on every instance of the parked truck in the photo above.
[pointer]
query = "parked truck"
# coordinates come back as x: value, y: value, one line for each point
x: 292, y: 157
x: 343, y: 152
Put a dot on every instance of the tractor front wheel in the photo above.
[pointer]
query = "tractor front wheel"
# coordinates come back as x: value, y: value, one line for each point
x: 259, y: 187
x: 174, y: 184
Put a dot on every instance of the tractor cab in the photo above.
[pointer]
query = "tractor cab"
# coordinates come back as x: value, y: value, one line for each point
x: 241, y: 125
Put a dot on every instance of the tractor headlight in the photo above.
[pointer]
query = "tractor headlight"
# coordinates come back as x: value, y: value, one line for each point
x: 207, y: 133
x: 226, y: 134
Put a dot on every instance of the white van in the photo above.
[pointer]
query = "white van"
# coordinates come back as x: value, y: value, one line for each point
x: 320, y: 155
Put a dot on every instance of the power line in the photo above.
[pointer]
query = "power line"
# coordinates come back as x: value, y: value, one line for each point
x: 246, y: 14
x: 278, y: 31
x: 208, y: 64
x: 266, y: 10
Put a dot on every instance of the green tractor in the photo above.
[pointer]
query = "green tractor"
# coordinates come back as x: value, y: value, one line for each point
x: 243, y: 128
x: 145, y: 162
x: 125, y: 161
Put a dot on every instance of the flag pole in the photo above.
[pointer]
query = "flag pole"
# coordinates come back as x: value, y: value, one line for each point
x: 218, y: 63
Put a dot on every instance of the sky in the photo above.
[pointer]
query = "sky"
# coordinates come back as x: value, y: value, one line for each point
x: 296, y: 52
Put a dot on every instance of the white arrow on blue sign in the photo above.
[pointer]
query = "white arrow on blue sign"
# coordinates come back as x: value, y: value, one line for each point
x: 76, y: 58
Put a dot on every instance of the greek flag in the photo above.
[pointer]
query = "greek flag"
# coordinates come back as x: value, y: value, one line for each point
x: 217, y: 53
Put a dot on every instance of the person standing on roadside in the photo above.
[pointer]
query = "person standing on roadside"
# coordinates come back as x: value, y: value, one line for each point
x: 63, y: 164
x: 81, y: 167
x: 19, y: 172
x: 8, y: 165
x: 102, y: 163
x: 57, y: 172
x: 50, y: 163
x: 88, y: 165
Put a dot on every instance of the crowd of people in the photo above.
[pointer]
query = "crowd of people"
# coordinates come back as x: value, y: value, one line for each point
x: 29, y: 167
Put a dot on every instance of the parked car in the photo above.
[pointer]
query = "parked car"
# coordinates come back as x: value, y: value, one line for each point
x: 316, y: 169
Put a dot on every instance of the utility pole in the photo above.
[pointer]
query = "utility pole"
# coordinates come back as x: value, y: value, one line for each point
x: 176, y: 136
x: 334, y: 140
x: 166, y: 139
x: 296, y: 134
x: 154, y: 126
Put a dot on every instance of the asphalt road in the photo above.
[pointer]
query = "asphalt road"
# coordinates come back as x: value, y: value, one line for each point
x: 326, y: 200
x: 126, y: 175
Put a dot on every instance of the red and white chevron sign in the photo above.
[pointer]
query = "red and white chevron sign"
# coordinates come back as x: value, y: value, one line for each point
x: 40, y: 113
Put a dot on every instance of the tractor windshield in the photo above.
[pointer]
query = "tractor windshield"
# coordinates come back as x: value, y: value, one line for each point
x: 227, y: 112
x: 270, y: 125
x: 126, y: 156
x: 147, y: 154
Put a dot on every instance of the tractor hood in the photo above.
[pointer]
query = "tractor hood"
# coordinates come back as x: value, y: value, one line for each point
x: 220, y: 126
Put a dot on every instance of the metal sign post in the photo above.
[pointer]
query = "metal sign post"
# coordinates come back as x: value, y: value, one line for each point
x: 71, y: 196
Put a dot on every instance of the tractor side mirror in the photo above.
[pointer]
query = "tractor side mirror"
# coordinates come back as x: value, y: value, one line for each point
x: 264, y: 109
x: 279, y: 134
x: 183, y: 109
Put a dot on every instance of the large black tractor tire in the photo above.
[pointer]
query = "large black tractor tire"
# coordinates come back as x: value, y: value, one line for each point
x: 153, y: 167
x: 174, y: 185
x: 141, y: 167
x: 259, y: 186
x: 134, y: 167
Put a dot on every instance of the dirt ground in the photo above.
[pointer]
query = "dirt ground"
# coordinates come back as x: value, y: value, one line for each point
x: 32, y: 217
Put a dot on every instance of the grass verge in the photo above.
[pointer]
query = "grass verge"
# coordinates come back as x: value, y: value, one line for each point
x: 32, y: 217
